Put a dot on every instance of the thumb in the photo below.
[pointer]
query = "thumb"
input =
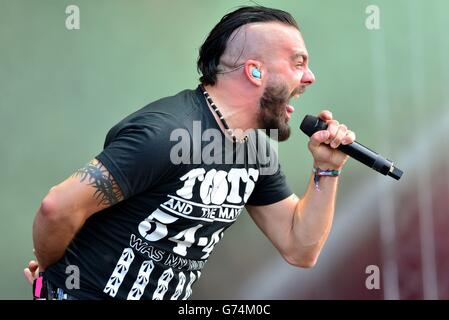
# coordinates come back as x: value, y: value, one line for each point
x: 318, y: 138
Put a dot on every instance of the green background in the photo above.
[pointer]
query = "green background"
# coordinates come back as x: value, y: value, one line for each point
x: 61, y: 91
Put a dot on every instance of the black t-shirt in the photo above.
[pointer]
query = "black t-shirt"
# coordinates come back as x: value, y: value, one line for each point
x: 177, y: 202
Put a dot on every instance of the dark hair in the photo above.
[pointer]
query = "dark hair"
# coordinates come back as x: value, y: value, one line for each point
x: 215, y: 43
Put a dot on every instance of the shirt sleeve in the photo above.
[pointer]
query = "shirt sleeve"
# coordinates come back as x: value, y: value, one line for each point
x: 138, y: 153
x: 270, y: 189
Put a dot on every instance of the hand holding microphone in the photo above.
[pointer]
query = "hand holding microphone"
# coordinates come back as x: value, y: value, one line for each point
x: 323, y: 144
x: 323, y: 129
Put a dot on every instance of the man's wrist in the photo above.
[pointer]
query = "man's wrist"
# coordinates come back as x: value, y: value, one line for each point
x: 318, y: 173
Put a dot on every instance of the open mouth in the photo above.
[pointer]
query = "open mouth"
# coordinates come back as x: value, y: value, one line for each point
x: 289, y: 109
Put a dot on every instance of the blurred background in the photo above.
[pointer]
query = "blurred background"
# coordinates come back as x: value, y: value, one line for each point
x: 61, y: 90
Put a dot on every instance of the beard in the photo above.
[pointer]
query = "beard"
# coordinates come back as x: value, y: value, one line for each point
x: 272, y: 114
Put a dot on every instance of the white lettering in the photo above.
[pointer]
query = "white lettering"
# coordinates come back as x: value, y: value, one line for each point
x: 190, y: 177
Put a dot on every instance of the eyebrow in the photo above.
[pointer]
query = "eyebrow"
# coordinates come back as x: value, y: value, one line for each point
x: 300, y: 54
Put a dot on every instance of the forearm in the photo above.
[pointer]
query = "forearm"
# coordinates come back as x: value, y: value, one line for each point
x: 299, y: 227
x: 313, y: 217
x: 52, y: 233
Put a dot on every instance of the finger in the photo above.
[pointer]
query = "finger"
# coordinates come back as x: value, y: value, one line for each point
x: 318, y: 137
x: 28, y: 275
x: 325, y: 115
x: 332, y: 127
x: 339, y: 135
x: 349, y: 138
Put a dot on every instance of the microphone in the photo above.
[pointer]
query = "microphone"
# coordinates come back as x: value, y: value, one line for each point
x: 311, y: 124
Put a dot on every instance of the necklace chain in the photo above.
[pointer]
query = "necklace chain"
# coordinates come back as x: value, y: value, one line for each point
x: 221, y: 117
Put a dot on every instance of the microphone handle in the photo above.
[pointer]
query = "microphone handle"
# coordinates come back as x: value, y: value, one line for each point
x: 367, y: 156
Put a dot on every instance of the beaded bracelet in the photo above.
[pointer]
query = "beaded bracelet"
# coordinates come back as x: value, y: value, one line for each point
x: 320, y: 173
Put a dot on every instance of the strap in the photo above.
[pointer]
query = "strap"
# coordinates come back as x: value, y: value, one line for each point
x: 326, y: 173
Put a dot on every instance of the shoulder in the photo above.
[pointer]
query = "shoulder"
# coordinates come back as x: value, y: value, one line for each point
x: 185, y: 105
x: 160, y: 117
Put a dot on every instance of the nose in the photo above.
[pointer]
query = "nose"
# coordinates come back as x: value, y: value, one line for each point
x: 308, y: 77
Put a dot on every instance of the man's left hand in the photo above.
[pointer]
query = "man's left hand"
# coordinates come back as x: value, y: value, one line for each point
x: 32, y: 271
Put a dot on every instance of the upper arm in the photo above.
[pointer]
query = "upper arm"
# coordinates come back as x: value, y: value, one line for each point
x: 88, y: 190
x: 276, y: 220
x: 125, y: 167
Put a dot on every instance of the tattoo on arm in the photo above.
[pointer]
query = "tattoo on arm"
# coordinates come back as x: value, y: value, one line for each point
x: 107, y: 190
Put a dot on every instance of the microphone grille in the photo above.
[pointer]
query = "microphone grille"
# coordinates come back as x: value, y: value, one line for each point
x: 311, y: 124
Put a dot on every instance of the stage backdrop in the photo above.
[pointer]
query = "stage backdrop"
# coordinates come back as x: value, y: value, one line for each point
x: 381, y: 67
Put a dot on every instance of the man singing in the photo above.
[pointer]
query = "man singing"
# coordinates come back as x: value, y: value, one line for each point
x: 141, y: 219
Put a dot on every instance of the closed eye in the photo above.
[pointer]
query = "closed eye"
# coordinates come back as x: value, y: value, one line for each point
x: 299, y: 60
x: 301, y: 64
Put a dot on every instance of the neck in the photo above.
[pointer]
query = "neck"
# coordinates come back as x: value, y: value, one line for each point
x: 238, y: 104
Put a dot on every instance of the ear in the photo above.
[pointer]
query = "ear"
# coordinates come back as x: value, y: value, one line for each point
x: 251, y: 69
